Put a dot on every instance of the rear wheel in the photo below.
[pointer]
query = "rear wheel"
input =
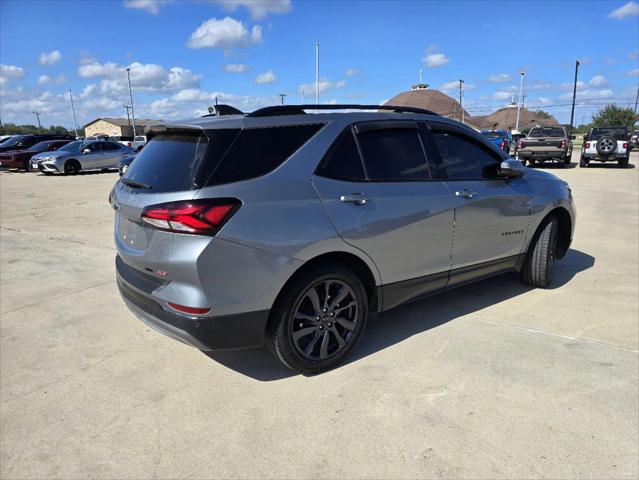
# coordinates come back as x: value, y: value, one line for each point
x: 567, y: 158
x: 539, y: 263
x: 623, y: 162
x: 72, y: 167
x: 318, y: 319
x: 583, y: 163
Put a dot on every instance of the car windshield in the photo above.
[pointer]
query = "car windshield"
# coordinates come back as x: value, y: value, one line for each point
x: 71, y: 147
x: 494, y: 134
x: 619, y: 133
x: 12, y: 142
x: 41, y: 147
x: 546, y: 132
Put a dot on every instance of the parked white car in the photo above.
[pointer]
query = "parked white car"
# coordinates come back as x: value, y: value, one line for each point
x: 606, y: 144
x: 138, y: 142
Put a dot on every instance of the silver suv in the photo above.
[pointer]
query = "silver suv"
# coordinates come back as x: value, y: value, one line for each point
x: 290, y: 226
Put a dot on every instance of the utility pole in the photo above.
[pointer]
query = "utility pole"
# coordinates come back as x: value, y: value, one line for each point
x: 637, y: 100
x: 302, y: 96
x: 128, y: 75
x: 75, y: 122
x: 521, y: 92
x: 461, y: 99
x: 574, y: 96
x: 128, y: 117
x: 37, y: 114
x: 317, y: 45
x: 282, y: 95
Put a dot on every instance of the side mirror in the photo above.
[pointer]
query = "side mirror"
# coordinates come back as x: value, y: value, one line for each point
x: 85, y: 151
x: 573, y: 137
x: 512, y: 168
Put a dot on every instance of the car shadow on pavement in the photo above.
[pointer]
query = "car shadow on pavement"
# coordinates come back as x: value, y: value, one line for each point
x: 400, y: 323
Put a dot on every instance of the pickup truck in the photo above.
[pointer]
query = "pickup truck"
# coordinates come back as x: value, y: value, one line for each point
x: 546, y: 143
x: 606, y: 144
x: 500, y: 138
x: 138, y: 143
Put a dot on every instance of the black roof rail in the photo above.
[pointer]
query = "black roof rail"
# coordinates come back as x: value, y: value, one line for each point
x: 221, y: 109
x: 300, y: 109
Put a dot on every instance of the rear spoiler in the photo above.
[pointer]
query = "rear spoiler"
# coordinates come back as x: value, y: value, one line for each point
x: 153, y: 130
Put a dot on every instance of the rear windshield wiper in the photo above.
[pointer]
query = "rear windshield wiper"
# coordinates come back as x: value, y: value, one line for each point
x: 131, y: 183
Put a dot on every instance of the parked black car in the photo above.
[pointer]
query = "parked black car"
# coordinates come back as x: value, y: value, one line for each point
x: 22, y: 142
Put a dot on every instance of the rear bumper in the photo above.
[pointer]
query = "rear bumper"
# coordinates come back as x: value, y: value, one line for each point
x: 554, y: 154
x: 204, y: 333
x: 597, y: 157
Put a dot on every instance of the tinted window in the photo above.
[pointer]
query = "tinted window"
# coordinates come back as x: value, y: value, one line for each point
x: 108, y: 146
x: 71, y: 147
x: 258, y: 151
x: 342, y: 161
x: 619, y: 133
x: 547, y: 132
x: 463, y: 159
x: 28, y: 141
x: 92, y: 147
x: 169, y: 162
x: 393, y: 155
x: 41, y: 147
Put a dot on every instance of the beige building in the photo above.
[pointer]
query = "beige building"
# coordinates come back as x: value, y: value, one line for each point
x: 116, y: 127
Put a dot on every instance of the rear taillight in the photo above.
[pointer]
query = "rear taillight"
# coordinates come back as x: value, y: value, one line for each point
x: 563, y: 144
x: 128, y: 144
x: 189, y: 310
x: 111, y: 196
x: 625, y: 145
x: 587, y: 145
x: 198, y: 217
x: 503, y: 144
x: 520, y: 144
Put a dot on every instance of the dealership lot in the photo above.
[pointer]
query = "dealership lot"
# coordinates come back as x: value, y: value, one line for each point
x: 494, y: 380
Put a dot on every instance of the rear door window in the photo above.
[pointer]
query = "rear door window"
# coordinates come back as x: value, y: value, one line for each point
x: 258, y: 151
x: 342, y: 161
x: 393, y: 154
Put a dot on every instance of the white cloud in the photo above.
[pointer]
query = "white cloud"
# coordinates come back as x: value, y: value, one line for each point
x: 340, y: 84
x: 226, y: 34
x: 147, y: 77
x: 266, y: 77
x: 500, y: 78
x: 453, y: 86
x: 50, y: 58
x: 634, y: 72
x: 569, y: 86
x: 633, y: 55
x: 151, y: 6
x: 10, y: 72
x: 435, y: 60
x: 236, y: 68
x: 258, y: 9
x: 589, y: 94
x: 502, y: 95
x: 630, y: 9
x: 44, y: 79
x: 351, y: 72
x: 598, y: 81
x: 309, y: 88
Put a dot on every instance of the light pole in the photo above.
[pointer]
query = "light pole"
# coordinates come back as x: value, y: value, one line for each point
x: 75, y: 122
x: 637, y: 100
x: 521, y: 92
x: 128, y: 116
x: 128, y: 75
x: 461, y: 99
x: 574, y: 96
x: 317, y: 45
x: 37, y: 114
x: 282, y: 95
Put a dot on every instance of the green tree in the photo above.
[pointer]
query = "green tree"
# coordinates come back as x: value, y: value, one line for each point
x: 612, y: 116
x: 542, y: 114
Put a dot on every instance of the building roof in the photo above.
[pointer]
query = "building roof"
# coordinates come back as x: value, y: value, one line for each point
x: 423, y: 97
x: 506, y: 117
x: 124, y: 122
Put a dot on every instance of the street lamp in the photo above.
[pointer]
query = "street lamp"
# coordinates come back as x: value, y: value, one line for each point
x: 574, y: 95
x: 461, y: 98
x: 75, y: 122
x: 37, y: 114
x: 128, y: 76
x: 521, y: 92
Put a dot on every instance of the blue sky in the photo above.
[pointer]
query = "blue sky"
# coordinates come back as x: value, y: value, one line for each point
x: 184, y: 54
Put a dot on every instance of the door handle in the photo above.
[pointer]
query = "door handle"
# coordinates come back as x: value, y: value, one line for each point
x: 465, y: 194
x: 355, y: 198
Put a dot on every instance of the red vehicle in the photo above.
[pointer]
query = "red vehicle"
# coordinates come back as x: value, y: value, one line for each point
x: 21, y: 159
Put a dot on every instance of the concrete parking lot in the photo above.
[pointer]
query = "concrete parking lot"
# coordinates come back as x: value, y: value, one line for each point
x: 494, y: 380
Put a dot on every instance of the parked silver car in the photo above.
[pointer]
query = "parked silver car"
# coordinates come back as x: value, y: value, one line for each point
x: 81, y: 155
x: 290, y: 228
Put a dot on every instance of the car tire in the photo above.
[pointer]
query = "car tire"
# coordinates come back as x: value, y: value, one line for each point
x: 623, y: 162
x: 583, y: 163
x: 540, y: 260
x: 567, y: 158
x: 72, y: 167
x: 295, y: 335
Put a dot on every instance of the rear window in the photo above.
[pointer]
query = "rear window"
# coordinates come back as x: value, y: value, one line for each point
x: 619, y: 133
x: 547, y: 132
x: 258, y: 151
x: 494, y: 134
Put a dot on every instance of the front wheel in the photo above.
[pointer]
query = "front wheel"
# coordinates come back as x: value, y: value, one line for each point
x: 540, y: 260
x: 72, y: 167
x: 318, y: 319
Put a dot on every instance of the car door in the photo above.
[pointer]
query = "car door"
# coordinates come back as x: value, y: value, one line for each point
x: 111, y: 154
x: 491, y: 212
x: 376, y: 187
x: 91, y: 158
